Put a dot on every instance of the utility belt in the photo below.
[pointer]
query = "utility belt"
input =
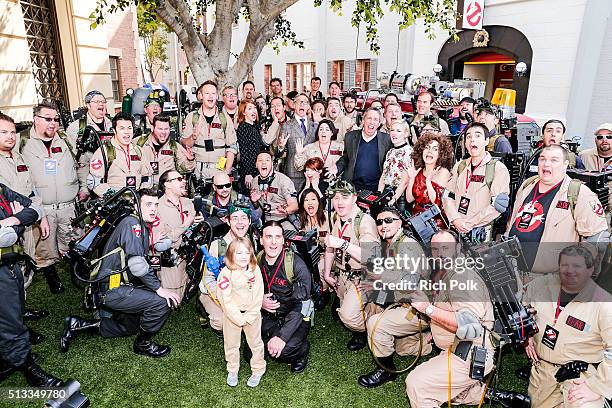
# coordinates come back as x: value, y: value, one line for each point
x: 479, y: 354
x: 570, y: 370
x: 59, y: 206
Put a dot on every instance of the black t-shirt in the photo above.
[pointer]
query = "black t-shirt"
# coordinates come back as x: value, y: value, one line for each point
x: 48, y: 143
x: 100, y: 125
x: 209, y: 119
x: 530, y: 221
x: 286, y: 293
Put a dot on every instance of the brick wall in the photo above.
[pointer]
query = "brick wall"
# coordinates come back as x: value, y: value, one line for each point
x: 122, y: 32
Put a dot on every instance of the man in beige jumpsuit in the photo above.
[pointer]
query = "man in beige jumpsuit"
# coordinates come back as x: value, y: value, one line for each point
x: 456, y: 316
x: 49, y: 155
x: 574, y: 317
x: 239, y: 222
x: 96, y: 118
x: 475, y: 205
x: 394, y: 330
x: 350, y: 230
x: 162, y: 153
x: 174, y: 215
x: 342, y: 122
x: 127, y: 169
x: 213, y: 136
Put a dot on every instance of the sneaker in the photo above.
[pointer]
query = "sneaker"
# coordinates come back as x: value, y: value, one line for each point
x: 254, y: 380
x: 232, y: 379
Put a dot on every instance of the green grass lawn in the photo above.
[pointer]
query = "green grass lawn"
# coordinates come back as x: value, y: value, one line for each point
x: 193, y: 375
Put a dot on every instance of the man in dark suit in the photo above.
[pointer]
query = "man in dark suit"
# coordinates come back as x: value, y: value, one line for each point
x: 364, y: 153
x: 299, y: 127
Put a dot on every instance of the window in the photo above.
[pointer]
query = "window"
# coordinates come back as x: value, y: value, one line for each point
x: 299, y: 76
x: 362, y: 74
x: 338, y: 73
x: 267, y: 78
x: 114, y: 68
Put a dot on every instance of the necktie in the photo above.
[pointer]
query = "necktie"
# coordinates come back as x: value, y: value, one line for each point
x: 303, y: 126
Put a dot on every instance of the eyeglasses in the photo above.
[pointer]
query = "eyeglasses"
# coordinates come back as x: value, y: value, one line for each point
x: 230, y: 95
x: 386, y: 220
x: 179, y: 178
x: 98, y: 101
x: 601, y: 137
x: 220, y: 186
x: 48, y: 120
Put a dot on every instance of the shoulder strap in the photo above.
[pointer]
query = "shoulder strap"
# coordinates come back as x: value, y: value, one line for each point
x: 462, y: 165
x: 572, y: 194
x: 63, y: 136
x: 572, y: 160
x: 96, y: 263
x: 111, y: 155
x: 195, y: 118
x: 491, y: 145
x: 174, y: 148
x: 24, y: 136
x: 222, y: 248
x: 289, y: 265
x: 357, y: 224
x: 223, y: 120
x: 82, y: 125
x: 142, y: 140
x: 490, y: 172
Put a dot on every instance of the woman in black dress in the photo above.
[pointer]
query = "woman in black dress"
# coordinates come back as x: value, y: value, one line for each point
x: 249, y: 142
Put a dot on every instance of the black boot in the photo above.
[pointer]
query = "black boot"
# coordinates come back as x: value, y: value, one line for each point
x: 53, y: 279
x: 7, y: 369
x: 523, y: 372
x: 300, y: 365
x: 36, y: 337
x: 73, y: 325
x: 508, y: 399
x: 33, y: 314
x: 379, y: 376
x: 37, y: 377
x: 358, y: 341
x: 143, y: 344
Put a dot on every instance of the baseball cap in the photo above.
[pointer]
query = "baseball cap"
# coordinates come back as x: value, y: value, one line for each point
x: 467, y: 99
x: 235, y: 207
x: 484, y: 105
x: 604, y: 126
x: 342, y: 187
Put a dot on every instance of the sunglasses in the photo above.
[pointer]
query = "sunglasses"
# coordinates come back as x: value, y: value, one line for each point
x: 48, y: 120
x: 179, y: 178
x: 601, y: 137
x: 387, y: 220
x: 228, y: 185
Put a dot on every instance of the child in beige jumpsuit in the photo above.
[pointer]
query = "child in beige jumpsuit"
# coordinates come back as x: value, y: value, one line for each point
x: 240, y: 291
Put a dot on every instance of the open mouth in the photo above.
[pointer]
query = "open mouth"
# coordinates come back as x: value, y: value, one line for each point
x: 429, y: 157
x: 546, y: 172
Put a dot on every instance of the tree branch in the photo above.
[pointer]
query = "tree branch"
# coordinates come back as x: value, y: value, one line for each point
x: 166, y: 13
x: 275, y: 8
x: 220, y: 38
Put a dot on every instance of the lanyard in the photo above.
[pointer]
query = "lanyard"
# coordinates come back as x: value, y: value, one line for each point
x: 128, y: 159
x: 324, y: 156
x: 537, y: 196
x: 180, y: 208
x: 468, y: 179
x: 150, y: 227
x: 269, y: 282
x: 558, y: 308
x: 5, y: 205
x: 341, y: 232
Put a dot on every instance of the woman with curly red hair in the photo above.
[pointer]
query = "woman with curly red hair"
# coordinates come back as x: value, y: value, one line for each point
x: 426, y: 180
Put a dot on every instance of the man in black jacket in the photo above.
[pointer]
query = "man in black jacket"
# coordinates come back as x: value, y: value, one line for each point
x: 364, y: 153
x: 16, y: 212
x: 287, y: 305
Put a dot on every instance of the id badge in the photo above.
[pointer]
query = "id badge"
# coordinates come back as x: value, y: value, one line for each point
x: 155, y: 262
x: 221, y: 163
x: 130, y: 181
x: 550, y: 337
x: 208, y: 145
x: 114, y: 281
x: 155, y: 167
x: 51, y: 166
x: 525, y: 220
x: 267, y: 208
x: 464, y: 204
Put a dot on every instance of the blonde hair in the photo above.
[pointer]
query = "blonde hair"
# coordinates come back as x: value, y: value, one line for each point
x: 402, y: 123
x: 231, y: 252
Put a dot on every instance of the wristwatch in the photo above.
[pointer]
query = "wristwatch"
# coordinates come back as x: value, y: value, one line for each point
x: 345, y: 245
x: 429, y: 310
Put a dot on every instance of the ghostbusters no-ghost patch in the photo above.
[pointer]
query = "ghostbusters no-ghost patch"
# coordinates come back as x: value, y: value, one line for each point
x: 597, y: 208
x: 136, y: 230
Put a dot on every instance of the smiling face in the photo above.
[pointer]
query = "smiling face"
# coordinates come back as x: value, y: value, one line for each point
x: 276, y: 88
x: 444, y: 247
x: 230, y: 99
x: 334, y: 90
x: 398, y: 134
x: 161, y: 132
x: 248, y: 90
x: 475, y: 141
x: 349, y: 104
x: 312, y: 175
x: 431, y: 153
x: 272, y: 241
x: 603, y: 141
x: 124, y: 132
x: 392, y: 112
x: 97, y: 107
x: 574, y: 273
x: 333, y: 109
x: 222, y: 185
x: 152, y: 110
x: 343, y: 204
x: 388, y: 230
x: 424, y: 104
x: 208, y: 96
x: 466, y: 107
x: 552, y: 166
x: 315, y: 84
x: 311, y: 204
x: 176, y: 184
x: 239, y: 223
x: 371, y: 122
x: 8, y: 135
x: 264, y: 164
x: 46, y: 123
x: 553, y: 134
x: 242, y: 256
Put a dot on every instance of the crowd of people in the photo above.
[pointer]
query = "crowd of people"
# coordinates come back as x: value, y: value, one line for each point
x: 298, y: 162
